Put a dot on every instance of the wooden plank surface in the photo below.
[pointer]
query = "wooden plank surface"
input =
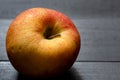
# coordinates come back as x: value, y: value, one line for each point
x: 79, y: 71
x: 3, y: 29
x: 74, y: 9
x: 98, y: 22
x: 99, y: 37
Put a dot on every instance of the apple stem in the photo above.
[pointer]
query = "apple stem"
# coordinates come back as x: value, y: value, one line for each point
x: 56, y: 35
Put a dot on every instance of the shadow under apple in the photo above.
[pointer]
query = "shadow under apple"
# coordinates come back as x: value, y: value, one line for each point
x: 71, y: 74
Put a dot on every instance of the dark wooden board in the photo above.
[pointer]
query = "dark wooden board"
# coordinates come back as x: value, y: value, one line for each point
x: 74, y: 9
x: 4, y: 23
x: 99, y: 39
x: 79, y: 71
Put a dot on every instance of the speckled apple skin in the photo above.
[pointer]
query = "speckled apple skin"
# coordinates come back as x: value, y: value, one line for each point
x: 31, y: 53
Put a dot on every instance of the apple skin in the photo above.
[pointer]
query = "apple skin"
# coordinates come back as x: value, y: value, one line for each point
x: 42, y: 42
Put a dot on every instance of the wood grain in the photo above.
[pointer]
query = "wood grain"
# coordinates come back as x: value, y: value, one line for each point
x: 100, y: 39
x: 74, y: 9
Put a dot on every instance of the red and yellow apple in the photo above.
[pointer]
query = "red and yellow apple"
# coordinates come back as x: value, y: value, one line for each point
x: 42, y: 42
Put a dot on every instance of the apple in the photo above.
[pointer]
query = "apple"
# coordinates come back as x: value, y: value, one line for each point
x: 42, y: 42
